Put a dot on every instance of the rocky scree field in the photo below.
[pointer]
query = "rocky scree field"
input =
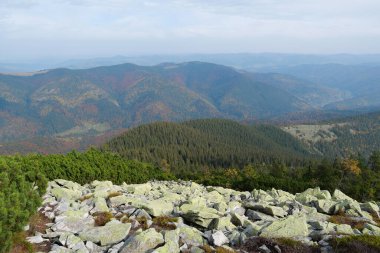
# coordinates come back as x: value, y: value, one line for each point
x: 183, y: 216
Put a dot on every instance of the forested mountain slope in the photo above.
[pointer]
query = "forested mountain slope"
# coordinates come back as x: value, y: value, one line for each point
x: 211, y: 143
x: 342, y: 137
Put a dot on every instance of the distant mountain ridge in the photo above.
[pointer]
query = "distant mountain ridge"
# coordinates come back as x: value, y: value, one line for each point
x: 67, y: 103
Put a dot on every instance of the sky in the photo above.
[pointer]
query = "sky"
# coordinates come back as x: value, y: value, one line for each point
x: 66, y: 29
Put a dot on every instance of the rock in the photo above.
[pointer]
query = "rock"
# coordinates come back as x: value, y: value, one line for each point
x: 138, y: 189
x: 146, y: 240
x: 202, y: 216
x: 100, y: 205
x: 115, y: 248
x: 171, y: 242
x: 370, y: 207
x: 59, y: 249
x: 237, y: 219
x: 158, y: 207
x: 73, y: 221
x: 344, y: 229
x: 218, y: 238
x: 255, y: 215
x: 374, y: 229
x: 223, y: 223
x: 260, y: 195
x: 263, y: 248
x: 291, y: 226
x: 267, y: 209
x: 35, y: 239
x: 191, y: 236
x: 325, y: 206
x: 277, y: 249
x: 338, y: 195
x: 196, y: 250
x: 312, y: 194
x: 253, y: 228
x: 113, y: 232
x: 60, y: 193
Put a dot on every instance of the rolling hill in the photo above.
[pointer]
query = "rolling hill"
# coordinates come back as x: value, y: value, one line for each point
x: 68, y: 103
x: 212, y: 143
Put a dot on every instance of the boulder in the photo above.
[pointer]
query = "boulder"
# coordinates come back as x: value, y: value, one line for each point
x: 191, y: 236
x: 291, y: 226
x: 158, y: 207
x: 143, y: 242
x: 73, y: 221
x: 370, y: 207
x: 100, y: 205
x: 255, y: 215
x: 222, y: 223
x: 113, y: 232
x: 200, y: 215
x: 338, y: 195
x: 267, y: 209
x: 325, y: 206
x: 171, y: 242
x: 138, y: 189
x: 237, y: 220
x: 60, y: 193
x: 218, y: 238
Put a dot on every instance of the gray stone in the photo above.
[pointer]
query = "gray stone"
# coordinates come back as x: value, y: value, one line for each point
x: 291, y: 226
x: 146, y: 240
x: 218, y: 238
x: 113, y: 232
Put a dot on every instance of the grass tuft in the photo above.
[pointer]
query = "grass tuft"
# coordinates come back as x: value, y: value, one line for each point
x: 165, y: 222
x: 102, y: 218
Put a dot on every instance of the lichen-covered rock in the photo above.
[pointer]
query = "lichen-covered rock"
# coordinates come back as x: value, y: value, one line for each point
x: 146, y: 240
x: 218, y: 238
x: 171, y: 238
x: 291, y: 226
x: 113, y: 232
x: 158, y: 207
x: 191, y: 236
x: 266, y: 208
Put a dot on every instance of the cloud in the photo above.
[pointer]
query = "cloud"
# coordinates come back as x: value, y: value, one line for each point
x: 78, y: 27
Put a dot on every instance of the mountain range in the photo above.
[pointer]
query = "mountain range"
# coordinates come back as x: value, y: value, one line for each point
x: 66, y: 103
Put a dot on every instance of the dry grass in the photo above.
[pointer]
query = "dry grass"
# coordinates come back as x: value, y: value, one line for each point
x: 342, y: 218
x: 85, y: 197
x: 20, y: 245
x: 165, y: 222
x: 102, y: 218
x: 223, y: 250
x: 114, y: 194
x: 207, y: 248
x: 143, y: 222
x: 357, y: 244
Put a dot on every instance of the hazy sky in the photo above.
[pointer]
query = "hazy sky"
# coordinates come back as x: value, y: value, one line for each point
x: 88, y: 28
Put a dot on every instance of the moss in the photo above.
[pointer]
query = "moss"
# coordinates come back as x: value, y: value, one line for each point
x: 357, y: 243
x: 102, y: 218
